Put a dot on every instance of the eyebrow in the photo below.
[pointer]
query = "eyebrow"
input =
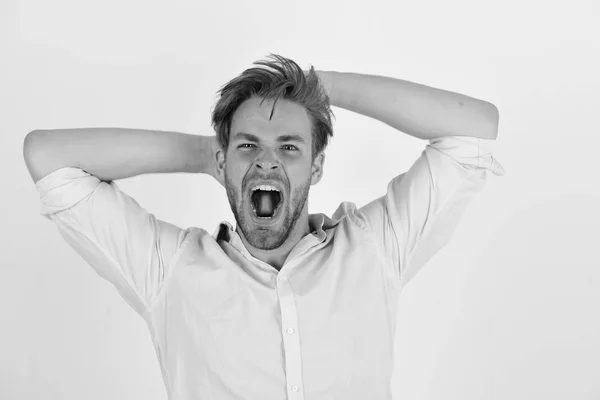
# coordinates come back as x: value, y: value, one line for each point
x: 281, y: 138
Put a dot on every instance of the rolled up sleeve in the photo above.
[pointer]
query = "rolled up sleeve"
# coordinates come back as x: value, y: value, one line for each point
x: 423, y: 206
x: 119, y: 239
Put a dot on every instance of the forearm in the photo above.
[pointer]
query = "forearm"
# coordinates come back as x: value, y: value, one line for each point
x: 115, y: 153
x: 418, y: 110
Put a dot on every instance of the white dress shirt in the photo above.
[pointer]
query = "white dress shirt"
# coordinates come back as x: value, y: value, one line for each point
x: 226, y: 325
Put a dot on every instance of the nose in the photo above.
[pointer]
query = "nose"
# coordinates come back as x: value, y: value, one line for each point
x: 266, y: 161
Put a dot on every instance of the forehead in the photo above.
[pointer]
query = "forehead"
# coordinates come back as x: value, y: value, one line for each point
x: 288, y: 118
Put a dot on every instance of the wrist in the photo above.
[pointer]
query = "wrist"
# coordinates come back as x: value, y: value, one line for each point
x: 196, y: 150
x: 327, y: 79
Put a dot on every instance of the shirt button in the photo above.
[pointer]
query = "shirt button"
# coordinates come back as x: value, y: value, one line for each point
x: 290, y: 330
x: 295, y: 388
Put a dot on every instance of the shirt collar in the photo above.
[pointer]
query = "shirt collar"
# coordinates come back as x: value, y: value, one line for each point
x: 317, y: 223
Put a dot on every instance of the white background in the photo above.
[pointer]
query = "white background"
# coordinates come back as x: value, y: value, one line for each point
x: 510, y: 309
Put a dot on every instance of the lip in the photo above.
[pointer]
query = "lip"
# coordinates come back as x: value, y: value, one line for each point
x: 275, y: 184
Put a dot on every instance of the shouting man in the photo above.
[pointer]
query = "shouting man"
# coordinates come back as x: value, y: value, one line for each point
x: 288, y: 305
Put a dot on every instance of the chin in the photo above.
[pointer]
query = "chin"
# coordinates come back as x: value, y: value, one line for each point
x: 267, y: 235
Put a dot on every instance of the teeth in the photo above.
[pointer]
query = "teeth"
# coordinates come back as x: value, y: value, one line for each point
x: 265, y: 188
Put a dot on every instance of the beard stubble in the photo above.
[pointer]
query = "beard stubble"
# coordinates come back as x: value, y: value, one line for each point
x: 267, y: 238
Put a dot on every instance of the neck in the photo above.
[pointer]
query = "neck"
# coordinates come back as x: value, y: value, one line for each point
x: 276, y: 257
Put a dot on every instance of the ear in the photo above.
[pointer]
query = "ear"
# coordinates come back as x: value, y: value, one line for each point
x: 219, y: 160
x: 317, y: 169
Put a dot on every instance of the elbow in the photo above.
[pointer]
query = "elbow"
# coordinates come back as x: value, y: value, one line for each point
x: 28, y: 141
x: 493, y: 116
x: 31, y: 137
x: 33, y: 133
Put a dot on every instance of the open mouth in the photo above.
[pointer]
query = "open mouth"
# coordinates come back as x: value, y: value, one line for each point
x: 266, y: 202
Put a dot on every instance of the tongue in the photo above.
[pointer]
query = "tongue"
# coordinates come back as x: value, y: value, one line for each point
x: 265, y: 206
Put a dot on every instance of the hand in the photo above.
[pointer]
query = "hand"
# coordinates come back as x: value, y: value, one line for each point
x: 325, y: 80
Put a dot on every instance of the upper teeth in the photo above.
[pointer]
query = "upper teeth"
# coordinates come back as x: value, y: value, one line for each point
x: 265, y: 187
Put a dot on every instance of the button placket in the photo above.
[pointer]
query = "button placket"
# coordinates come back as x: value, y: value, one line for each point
x: 291, y: 342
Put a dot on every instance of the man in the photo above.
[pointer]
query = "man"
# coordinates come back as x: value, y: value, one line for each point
x: 288, y: 304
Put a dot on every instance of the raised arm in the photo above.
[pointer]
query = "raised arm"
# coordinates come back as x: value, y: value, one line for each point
x: 74, y: 171
x: 418, y: 110
x: 117, y: 153
x: 423, y: 206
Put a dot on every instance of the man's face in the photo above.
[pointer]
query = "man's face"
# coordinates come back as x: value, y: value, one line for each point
x: 274, y: 152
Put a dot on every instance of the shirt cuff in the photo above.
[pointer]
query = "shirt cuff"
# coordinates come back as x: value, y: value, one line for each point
x: 471, y: 152
x: 63, y: 189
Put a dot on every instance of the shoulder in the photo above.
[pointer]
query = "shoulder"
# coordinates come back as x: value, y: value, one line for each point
x: 347, y: 212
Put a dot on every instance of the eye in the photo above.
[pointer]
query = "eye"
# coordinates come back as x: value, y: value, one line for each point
x: 287, y: 147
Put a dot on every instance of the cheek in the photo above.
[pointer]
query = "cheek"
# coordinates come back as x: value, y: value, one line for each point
x: 300, y: 177
x: 235, y: 172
